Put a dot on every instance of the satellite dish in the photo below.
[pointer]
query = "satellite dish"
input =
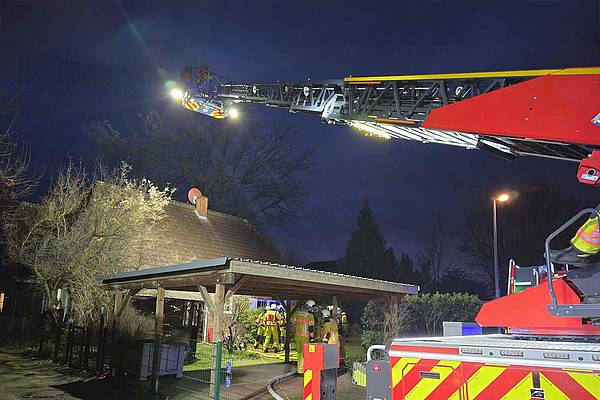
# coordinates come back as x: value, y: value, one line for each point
x: 193, y: 195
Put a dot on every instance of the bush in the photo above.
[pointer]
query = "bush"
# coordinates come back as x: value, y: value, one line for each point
x: 431, y: 310
x: 421, y: 314
x: 243, y: 321
x: 369, y: 338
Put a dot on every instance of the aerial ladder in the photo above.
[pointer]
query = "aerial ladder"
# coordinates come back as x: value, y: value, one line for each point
x: 550, y: 348
x: 552, y: 113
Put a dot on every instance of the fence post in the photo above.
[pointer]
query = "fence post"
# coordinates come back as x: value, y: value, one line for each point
x: 158, y: 332
x: 218, y: 338
x: 42, y: 324
x: 82, y: 333
x: 57, y: 337
x: 70, y: 343
x: 88, y: 348
x: 101, y: 345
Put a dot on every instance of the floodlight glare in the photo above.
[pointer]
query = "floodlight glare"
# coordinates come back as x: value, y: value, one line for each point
x: 234, y: 113
x: 176, y: 94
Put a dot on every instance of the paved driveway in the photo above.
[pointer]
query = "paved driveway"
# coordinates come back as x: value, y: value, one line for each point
x: 27, y: 377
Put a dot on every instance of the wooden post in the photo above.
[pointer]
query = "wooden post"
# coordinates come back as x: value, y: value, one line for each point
x: 114, y: 359
x: 215, y: 370
x: 158, y: 331
x: 287, y: 305
x: 334, y: 317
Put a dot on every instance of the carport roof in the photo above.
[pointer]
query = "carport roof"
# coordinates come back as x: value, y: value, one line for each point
x: 256, y: 278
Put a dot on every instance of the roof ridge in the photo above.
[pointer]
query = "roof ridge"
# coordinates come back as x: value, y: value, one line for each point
x: 210, y: 210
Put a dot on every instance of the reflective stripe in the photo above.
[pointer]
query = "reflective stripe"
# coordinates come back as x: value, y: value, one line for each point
x: 551, y: 391
x: 589, y: 381
x: 592, y: 238
x: 401, y: 368
x: 521, y: 390
x: 496, y: 361
x: 425, y: 386
x: 482, y: 379
x: 308, y: 375
x: 587, y: 238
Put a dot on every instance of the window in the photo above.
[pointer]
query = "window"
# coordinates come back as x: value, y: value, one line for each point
x: 1, y: 302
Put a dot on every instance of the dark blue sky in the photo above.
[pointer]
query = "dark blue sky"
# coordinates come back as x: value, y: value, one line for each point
x: 82, y: 61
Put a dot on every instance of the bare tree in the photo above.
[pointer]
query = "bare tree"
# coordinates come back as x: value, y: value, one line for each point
x: 253, y: 171
x: 83, y: 229
x: 538, y: 207
x: 432, y: 253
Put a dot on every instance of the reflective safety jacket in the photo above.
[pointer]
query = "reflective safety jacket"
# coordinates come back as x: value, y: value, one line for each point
x: 344, y: 323
x: 302, y: 320
x: 271, y: 318
x: 330, y: 332
x: 587, y: 238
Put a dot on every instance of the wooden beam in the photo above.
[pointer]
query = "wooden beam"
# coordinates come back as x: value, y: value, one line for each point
x: 158, y: 332
x: 207, y: 300
x: 172, y: 294
x: 215, y: 370
x: 116, y: 330
x: 125, y: 301
x: 226, y: 278
x: 288, y: 328
x: 334, y: 317
x: 236, y: 287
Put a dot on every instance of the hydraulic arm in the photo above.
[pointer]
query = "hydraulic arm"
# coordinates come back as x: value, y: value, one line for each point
x: 548, y: 113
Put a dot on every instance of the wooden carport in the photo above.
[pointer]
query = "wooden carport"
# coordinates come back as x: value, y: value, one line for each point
x: 228, y: 276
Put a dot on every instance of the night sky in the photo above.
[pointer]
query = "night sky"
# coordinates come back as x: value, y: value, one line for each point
x: 83, y: 61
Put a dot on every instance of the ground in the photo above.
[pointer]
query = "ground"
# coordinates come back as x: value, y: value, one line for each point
x: 24, y: 376
x: 291, y: 389
x: 27, y: 377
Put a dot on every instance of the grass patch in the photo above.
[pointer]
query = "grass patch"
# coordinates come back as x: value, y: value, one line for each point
x: 239, y: 358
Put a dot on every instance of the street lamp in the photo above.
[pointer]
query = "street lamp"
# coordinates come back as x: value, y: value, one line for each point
x: 501, y: 198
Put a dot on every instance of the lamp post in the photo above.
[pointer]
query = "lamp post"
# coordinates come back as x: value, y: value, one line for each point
x: 501, y: 198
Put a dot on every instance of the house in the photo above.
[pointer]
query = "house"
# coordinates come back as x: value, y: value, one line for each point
x: 186, y: 233
x: 195, y: 232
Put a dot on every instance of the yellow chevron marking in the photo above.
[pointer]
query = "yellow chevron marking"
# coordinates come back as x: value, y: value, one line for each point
x: 307, y: 376
x: 589, y: 381
x: 521, y: 390
x: 426, y: 385
x: 467, y: 75
x: 402, y: 367
x: 480, y: 380
x: 551, y: 391
x: 309, y: 397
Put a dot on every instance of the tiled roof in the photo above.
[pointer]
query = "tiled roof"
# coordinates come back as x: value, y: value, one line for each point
x: 185, y: 237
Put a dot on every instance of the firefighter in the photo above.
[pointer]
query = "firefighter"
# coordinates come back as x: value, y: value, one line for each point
x: 260, y: 328
x: 330, y: 329
x: 304, y: 324
x: 344, y: 331
x: 584, y: 245
x: 271, y: 319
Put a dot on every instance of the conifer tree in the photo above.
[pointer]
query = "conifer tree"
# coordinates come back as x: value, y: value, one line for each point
x: 367, y: 254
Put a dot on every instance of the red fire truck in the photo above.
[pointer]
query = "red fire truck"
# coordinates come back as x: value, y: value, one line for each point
x: 551, y: 345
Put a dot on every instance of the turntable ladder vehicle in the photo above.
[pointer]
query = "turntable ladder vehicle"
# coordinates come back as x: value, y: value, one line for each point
x: 550, y: 348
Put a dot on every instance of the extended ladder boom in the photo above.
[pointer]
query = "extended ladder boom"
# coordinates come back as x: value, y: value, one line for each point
x: 548, y: 113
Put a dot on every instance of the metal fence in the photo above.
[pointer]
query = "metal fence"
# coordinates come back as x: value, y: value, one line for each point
x: 243, y: 373
x: 84, y: 347
x: 188, y: 369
